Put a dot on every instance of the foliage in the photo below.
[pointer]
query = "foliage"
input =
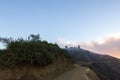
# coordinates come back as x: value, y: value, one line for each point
x: 28, y: 51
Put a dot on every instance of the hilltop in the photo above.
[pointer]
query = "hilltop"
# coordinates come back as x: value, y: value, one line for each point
x: 105, y: 66
x: 36, y: 59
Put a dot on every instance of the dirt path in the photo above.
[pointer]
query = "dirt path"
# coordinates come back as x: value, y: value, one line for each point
x: 79, y: 73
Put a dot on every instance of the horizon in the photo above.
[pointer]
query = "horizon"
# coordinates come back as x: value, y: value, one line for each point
x: 92, y: 24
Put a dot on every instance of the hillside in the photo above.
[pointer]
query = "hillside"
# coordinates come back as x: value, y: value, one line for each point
x: 106, y: 67
x: 33, y: 72
x: 31, y: 59
x: 36, y: 59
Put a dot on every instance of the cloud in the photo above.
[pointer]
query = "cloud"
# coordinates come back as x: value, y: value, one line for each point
x: 63, y: 42
x: 109, y: 45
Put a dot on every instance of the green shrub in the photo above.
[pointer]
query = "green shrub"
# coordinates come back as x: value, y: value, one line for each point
x: 30, y: 51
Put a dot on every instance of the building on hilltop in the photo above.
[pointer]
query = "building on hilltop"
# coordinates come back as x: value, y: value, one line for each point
x: 72, y: 48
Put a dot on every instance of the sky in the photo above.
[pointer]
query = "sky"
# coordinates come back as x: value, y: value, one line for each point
x: 94, y: 24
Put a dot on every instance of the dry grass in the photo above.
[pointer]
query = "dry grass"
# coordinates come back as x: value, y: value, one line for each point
x: 31, y: 72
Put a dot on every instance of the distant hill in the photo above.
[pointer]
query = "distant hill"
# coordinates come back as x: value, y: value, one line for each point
x: 106, y: 67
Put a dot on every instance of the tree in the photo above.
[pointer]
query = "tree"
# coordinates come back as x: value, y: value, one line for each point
x: 34, y: 37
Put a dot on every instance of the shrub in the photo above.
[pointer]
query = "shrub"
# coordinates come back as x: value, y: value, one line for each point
x: 30, y: 51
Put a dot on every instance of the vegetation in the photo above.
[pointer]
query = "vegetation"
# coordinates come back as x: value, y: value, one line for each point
x: 28, y: 51
x: 106, y: 67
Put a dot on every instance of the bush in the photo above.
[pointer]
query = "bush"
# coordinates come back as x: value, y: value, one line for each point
x: 30, y: 51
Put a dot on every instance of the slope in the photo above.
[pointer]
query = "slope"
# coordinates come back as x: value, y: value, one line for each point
x: 106, y: 67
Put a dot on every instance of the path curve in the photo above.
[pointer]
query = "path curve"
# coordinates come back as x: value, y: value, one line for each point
x: 79, y: 73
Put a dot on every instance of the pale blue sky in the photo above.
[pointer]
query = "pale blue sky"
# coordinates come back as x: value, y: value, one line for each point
x: 75, y: 20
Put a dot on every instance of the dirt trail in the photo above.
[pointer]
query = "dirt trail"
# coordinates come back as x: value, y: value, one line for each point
x: 79, y: 73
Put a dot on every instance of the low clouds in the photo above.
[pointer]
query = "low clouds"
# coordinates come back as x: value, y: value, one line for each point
x: 63, y: 42
x: 109, y: 45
